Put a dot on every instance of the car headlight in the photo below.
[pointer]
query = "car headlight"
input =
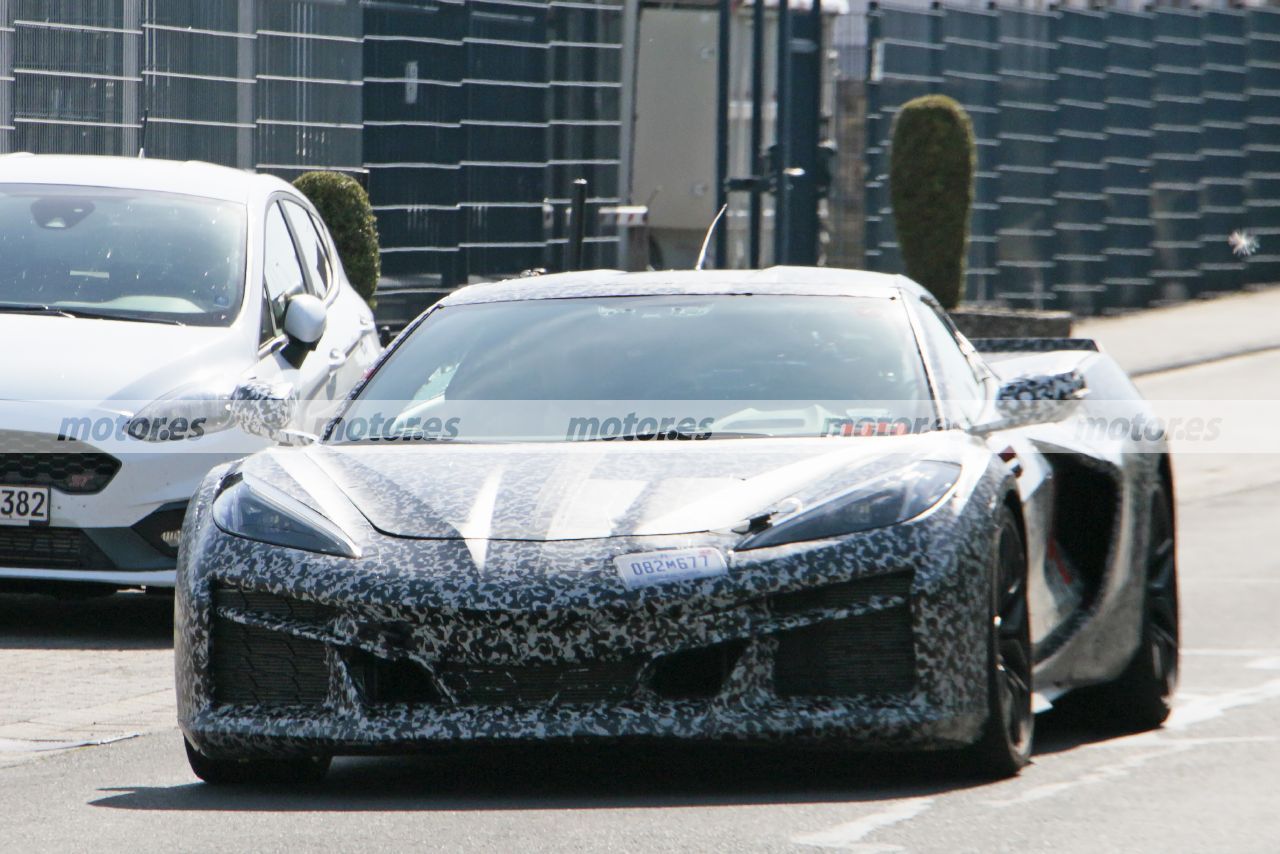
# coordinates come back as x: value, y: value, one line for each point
x: 886, y: 499
x: 258, y: 511
x: 189, y: 412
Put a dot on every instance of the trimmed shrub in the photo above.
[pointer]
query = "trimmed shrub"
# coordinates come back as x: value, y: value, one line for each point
x: 344, y: 206
x: 931, y: 185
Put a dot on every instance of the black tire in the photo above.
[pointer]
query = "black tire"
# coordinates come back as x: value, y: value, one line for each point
x: 1004, y: 748
x: 1142, y: 697
x: 291, y: 770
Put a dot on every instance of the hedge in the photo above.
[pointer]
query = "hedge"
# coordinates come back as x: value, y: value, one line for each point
x: 932, y: 161
x: 344, y: 206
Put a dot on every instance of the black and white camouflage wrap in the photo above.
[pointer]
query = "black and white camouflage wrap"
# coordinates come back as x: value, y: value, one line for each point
x: 535, y: 613
x: 264, y: 409
x: 1050, y: 388
x: 435, y: 587
x: 1040, y: 397
x: 1033, y: 345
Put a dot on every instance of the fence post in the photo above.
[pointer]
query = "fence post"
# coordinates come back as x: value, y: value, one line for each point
x: 577, y: 224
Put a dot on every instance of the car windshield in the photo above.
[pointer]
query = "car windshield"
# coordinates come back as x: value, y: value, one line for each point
x: 649, y: 367
x: 120, y: 254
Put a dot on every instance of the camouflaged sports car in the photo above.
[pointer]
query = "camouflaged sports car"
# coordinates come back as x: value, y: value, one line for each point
x: 785, y: 504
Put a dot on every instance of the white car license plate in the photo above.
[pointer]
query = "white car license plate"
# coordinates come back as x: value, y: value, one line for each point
x: 645, y: 568
x: 24, y: 505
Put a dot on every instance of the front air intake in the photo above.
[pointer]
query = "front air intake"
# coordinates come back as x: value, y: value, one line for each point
x: 256, y: 666
x: 590, y: 682
x: 869, y: 654
x: 695, y: 674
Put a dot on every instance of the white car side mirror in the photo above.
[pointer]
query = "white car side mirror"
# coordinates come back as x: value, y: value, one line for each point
x: 304, y: 319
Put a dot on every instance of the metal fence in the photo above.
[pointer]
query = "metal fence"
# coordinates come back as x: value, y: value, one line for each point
x: 1117, y: 150
x: 467, y: 120
x: 478, y: 117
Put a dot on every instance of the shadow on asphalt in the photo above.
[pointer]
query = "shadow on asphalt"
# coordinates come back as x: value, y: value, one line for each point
x: 629, y: 777
x: 508, y: 778
x: 1063, y: 730
x: 121, y: 621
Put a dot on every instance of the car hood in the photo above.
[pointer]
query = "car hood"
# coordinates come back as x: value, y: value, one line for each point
x: 106, y: 362
x: 588, y: 490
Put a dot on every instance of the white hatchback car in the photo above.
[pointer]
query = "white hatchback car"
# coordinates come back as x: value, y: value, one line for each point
x: 138, y: 299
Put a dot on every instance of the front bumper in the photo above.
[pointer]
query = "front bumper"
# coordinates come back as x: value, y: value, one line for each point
x: 875, y: 725
x: 110, y: 531
x: 505, y: 659
x: 125, y: 557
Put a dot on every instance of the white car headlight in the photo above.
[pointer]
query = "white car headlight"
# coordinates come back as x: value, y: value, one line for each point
x: 258, y: 511
x: 189, y: 412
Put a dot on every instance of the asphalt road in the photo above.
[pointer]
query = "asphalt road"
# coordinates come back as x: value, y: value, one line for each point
x: 1209, y: 781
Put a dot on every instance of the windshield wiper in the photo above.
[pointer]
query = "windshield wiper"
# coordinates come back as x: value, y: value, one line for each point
x: 40, y: 308
x: 33, y: 308
x: 402, y: 438
x: 682, y: 435
x: 106, y: 315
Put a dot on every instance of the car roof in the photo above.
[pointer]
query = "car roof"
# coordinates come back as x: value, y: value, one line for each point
x: 830, y: 281
x: 190, y: 177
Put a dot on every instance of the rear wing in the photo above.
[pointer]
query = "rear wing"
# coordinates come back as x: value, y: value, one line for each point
x: 1020, y: 358
x: 1032, y: 345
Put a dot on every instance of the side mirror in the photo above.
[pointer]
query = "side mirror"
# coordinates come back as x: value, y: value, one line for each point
x: 264, y: 409
x: 305, y: 319
x: 1039, y: 398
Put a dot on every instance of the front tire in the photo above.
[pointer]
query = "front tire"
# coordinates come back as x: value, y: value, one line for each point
x: 1004, y: 748
x: 291, y: 770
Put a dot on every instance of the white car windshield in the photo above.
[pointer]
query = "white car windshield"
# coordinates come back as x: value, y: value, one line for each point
x: 121, y: 254
x: 650, y: 367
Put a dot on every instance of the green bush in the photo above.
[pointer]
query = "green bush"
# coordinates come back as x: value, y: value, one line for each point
x: 931, y: 184
x: 344, y: 206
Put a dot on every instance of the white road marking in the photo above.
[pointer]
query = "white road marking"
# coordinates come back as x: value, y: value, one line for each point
x: 1163, y: 747
x: 12, y: 745
x: 1231, y: 653
x: 1098, y: 775
x: 1194, y: 709
x: 848, y: 836
x: 1202, y: 709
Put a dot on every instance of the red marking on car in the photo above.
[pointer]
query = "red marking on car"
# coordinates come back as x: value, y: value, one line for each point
x: 80, y: 479
x: 1010, y: 457
x: 1059, y: 562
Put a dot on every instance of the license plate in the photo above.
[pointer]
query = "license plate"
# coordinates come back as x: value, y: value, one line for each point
x: 24, y: 505
x: 645, y: 568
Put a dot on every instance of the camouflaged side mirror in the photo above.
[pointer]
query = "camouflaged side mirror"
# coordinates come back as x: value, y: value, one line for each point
x: 264, y: 409
x: 1039, y: 398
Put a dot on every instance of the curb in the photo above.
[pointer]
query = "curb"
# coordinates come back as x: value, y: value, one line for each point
x: 1196, y: 361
